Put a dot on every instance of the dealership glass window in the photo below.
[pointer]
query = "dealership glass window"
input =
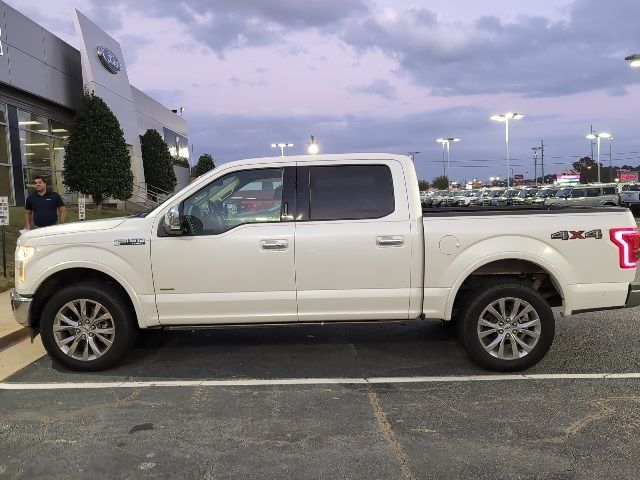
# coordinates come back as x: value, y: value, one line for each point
x: 178, y: 144
x: 6, y: 181
x: 42, y: 144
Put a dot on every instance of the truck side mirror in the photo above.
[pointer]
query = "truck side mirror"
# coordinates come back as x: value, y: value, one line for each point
x: 173, y: 221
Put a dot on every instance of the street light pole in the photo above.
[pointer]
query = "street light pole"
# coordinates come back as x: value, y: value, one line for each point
x: 447, y: 142
x: 505, y: 118
x: 412, y: 155
x: 598, y: 136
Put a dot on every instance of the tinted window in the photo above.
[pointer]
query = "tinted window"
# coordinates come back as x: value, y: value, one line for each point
x: 593, y: 192
x: 609, y: 190
x: 563, y: 192
x: 350, y: 192
x: 247, y: 196
x: 577, y: 193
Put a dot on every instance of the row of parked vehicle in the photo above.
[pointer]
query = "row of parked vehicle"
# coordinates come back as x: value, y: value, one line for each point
x: 591, y: 195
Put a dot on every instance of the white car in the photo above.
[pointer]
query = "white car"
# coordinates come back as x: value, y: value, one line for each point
x: 316, y: 239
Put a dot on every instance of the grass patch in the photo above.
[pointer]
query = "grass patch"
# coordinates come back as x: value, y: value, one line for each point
x: 16, y: 223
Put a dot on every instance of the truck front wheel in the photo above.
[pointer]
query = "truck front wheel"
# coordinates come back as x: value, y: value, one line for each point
x: 87, y: 326
x: 506, y: 326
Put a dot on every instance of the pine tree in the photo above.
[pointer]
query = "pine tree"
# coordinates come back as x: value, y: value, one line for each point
x: 157, y: 161
x: 97, y: 160
x: 205, y: 163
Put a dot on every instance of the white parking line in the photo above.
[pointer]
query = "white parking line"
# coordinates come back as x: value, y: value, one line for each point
x: 316, y: 381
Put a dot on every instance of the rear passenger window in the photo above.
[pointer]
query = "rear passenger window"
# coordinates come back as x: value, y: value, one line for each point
x: 593, y: 192
x: 577, y: 193
x: 609, y: 190
x: 350, y: 192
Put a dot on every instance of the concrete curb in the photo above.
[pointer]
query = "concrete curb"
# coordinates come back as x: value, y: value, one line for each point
x: 16, y: 349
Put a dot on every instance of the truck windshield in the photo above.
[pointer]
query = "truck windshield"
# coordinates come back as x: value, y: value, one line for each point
x: 563, y: 193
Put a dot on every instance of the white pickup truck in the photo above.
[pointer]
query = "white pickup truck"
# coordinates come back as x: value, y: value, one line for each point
x: 313, y: 239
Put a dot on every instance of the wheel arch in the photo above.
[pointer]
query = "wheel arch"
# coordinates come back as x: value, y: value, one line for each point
x: 71, y: 275
x: 543, y: 278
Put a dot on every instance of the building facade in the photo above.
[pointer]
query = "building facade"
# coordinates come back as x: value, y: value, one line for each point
x: 41, y: 84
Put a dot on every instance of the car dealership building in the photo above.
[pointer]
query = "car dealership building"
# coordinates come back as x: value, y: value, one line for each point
x: 41, y: 84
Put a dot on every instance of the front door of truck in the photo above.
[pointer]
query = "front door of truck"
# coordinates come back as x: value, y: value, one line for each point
x: 353, y: 242
x: 235, y: 261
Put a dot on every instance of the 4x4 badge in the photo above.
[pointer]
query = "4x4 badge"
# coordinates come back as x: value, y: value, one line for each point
x: 576, y: 234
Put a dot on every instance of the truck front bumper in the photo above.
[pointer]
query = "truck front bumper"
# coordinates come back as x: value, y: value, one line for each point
x: 21, y: 307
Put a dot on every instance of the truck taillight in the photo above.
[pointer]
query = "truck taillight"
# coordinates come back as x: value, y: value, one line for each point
x: 628, y: 242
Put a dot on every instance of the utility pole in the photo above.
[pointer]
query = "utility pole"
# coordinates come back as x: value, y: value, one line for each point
x: 535, y: 160
x: 412, y: 155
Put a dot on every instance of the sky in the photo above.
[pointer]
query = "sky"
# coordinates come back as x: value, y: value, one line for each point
x: 383, y: 76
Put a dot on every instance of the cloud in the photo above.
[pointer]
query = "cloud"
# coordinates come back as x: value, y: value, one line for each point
x: 380, y: 87
x: 531, y: 55
x: 224, y: 25
x: 236, y: 82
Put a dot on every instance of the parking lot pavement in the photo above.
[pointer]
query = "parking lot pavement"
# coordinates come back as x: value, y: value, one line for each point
x: 541, y: 428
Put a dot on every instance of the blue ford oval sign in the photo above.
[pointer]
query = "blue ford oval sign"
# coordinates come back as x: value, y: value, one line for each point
x: 109, y: 59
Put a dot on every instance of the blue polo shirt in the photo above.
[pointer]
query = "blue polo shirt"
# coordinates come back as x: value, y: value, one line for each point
x: 44, y: 208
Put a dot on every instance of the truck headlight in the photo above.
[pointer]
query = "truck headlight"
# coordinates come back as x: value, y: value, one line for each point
x: 23, y: 254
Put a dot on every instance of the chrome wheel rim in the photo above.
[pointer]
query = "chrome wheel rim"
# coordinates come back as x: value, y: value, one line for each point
x: 509, y: 328
x: 84, y: 329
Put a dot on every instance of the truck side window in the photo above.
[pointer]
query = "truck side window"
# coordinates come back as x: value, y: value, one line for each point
x: 247, y: 196
x: 609, y: 190
x: 593, y: 192
x: 350, y: 192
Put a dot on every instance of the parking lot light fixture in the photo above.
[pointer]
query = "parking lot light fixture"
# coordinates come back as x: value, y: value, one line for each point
x: 634, y: 60
x: 282, y: 146
x: 598, y: 136
x: 446, y: 144
x: 506, y: 118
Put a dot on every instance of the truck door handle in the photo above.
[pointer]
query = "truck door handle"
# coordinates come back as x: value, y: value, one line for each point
x: 390, y: 241
x: 274, y: 244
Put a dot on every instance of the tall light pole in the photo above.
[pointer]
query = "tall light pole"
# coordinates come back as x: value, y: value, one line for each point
x: 446, y: 142
x: 505, y: 118
x: 535, y: 163
x: 282, y: 147
x: 412, y: 155
x: 598, y: 136
x: 610, y: 161
x: 634, y: 60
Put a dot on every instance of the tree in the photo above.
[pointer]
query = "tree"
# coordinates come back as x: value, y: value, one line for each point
x: 157, y: 161
x: 440, y: 182
x: 97, y: 160
x: 423, y: 185
x: 205, y: 163
x: 587, y: 168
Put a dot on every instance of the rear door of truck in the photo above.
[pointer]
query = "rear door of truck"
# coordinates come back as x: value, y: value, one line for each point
x: 353, y: 248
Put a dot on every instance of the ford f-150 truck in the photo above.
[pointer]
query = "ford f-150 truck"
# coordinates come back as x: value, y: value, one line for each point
x: 326, y: 238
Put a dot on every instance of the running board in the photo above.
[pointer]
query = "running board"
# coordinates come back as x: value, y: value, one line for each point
x: 282, y: 324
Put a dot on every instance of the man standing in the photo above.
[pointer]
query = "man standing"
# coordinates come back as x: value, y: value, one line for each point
x: 43, y: 206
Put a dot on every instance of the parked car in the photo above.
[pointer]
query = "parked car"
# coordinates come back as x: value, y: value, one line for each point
x: 525, y: 196
x: 349, y: 243
x: 506, y: 198
x: 586, y: 196
x: 487, y: 199
x: 542, y: 195
x: 468, y: 197
x: 630, y: 195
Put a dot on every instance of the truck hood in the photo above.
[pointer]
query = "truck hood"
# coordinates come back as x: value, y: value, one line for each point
x: 71, y: 228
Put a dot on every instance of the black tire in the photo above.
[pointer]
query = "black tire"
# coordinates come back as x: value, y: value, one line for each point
x: 124, y: 334
x: 469, y: 328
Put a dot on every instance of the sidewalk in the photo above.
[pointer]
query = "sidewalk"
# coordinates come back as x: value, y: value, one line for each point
x: 16, y: 349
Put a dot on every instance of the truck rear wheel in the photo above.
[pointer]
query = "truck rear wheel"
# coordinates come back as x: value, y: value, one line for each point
x: 506, y: 326
x: 87, y: 326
